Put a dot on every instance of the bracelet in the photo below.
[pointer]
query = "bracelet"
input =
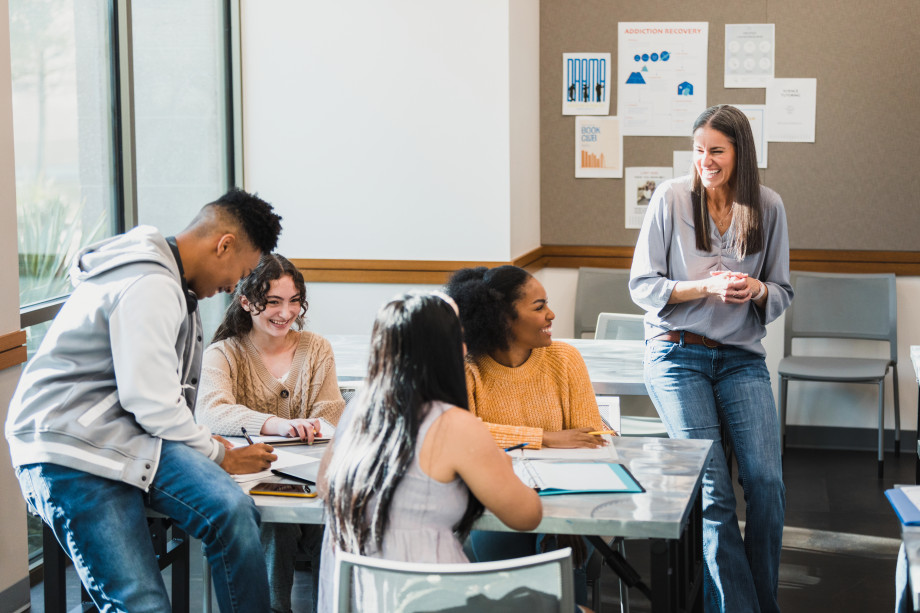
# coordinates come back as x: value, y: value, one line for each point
x: 760, y: 294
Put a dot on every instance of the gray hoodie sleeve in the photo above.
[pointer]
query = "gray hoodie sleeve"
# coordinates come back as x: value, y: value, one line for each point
x: 144, y: 326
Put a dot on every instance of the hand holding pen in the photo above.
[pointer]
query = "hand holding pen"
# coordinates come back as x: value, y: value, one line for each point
x: 252, y: 458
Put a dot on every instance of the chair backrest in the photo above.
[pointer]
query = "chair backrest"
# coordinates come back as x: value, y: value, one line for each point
x: 829, y: 305
x: 536, y: 584
x: 601, y: 290
x: 620, y: 326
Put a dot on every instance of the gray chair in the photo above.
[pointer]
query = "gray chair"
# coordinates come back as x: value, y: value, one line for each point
x: 601, y: 290
x: 535, y: 584
x: 843, y: 306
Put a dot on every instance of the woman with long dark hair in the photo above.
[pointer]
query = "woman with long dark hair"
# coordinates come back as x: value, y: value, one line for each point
x: 711, y: 269
x: 410, y: 468
x: 266, y: 374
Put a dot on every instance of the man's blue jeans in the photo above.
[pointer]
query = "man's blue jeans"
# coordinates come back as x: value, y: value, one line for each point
x: 698, y: 391
x: 103, y: 527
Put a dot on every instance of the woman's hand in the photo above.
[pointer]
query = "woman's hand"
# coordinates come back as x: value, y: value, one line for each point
x: 733, y: 287
x: 304, y: 429
x: 248, y: 459
x: 577, y: 437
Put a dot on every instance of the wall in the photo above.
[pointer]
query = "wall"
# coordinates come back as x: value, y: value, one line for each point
x: 385, y: 130
x: 14, y: 571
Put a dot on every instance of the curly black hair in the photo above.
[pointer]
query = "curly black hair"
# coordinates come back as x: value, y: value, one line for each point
x: 255, y: 216
x: 238, y: 321
x: 486, y: 300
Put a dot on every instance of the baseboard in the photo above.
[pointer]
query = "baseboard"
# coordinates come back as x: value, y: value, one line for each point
x: 16, y: 598
x: 856, y: 439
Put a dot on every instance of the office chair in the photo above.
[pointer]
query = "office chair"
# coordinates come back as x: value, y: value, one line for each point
x: 536, y: 584
x: 843, y: 306
x: 601, y: 290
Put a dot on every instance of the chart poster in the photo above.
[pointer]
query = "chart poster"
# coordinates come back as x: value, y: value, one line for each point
x: 598, y: 148
x: 661, y: 78
x: 683, y: 160
x: 640, y: 185
x: 791, y: 110
x: 756, y: 114
x: 750, y: 51
x: 585, y: 83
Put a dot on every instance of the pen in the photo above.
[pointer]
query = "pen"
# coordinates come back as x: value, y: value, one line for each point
x: 518, y: 446
x: 599, y: 432
x: 246, y: 434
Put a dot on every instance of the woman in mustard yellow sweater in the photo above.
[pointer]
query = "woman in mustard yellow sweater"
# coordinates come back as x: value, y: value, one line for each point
x: 524, y: 386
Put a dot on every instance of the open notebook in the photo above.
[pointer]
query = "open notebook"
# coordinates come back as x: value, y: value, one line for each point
x: 326, y: 430
x: 553, y: 478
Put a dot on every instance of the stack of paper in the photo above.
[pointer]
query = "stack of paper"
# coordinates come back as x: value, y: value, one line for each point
x: 552, y: 478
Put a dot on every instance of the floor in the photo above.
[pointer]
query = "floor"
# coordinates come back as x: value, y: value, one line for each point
x: 839, y: 545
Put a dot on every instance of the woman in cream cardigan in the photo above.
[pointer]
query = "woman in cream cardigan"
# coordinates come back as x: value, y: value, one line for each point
x: 264, y: 373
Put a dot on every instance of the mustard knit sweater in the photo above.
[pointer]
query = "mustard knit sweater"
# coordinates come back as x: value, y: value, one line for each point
x: 237, y: 390
x: 550, y: 391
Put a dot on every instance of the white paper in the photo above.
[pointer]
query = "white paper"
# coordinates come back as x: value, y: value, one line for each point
x: 913, y: 494
x: 756, y: 114
x: 609, y: 407
x: 285, y: 459
x: 582, y: 454
x: 791, y: 110
x: 683, y: 160
x: 549, y: 475
x: 598, y: 148
x: 585, y: 83
x: 640, y: 184
x: 661, y: 83
x: 750, y: 51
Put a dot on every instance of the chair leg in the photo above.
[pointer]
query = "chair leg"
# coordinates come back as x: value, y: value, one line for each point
x: 624, y: 589
x: 783, y: 390
x: 897, y: 412
x: 881, y: 428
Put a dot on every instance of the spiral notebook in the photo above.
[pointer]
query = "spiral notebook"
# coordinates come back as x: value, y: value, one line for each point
x: 555, y: 478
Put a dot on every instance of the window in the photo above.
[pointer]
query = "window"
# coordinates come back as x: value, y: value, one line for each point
x: 74, y: 154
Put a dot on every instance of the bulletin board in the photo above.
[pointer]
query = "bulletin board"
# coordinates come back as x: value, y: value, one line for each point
x: 855, y: 189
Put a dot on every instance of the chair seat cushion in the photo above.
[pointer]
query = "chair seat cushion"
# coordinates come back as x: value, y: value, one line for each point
x: 818, y: 368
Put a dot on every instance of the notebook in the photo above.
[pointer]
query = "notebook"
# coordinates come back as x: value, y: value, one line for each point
x: 906, y: 503
x: 326, y: 429
x: 306, y: 472
x: 554, y: 478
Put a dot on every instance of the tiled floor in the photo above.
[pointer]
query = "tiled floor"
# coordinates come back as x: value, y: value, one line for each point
x: 839, y: 545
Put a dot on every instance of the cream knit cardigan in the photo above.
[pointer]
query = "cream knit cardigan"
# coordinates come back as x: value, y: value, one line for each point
x: 237, y: 390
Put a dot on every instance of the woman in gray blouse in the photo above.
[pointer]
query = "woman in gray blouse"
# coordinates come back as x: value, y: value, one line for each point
x: 711, y: 269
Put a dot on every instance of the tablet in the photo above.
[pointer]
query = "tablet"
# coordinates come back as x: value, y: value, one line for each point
x: 300, y: 472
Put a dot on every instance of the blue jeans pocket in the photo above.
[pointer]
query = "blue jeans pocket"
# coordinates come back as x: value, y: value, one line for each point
x: 659, y: 350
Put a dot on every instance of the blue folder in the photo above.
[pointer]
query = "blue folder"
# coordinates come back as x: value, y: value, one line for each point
x: 907, y: 512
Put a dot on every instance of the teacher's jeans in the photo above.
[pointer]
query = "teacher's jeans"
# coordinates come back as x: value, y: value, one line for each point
x: 700, y: 393
x: 102, y: 526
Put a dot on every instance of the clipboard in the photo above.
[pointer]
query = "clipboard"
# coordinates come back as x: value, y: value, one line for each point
x: 556, y: 478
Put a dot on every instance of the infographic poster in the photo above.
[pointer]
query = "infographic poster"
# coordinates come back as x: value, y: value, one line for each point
x: 750, y: 50
x: 598, y: 148
x: 756, y: 114
x: 585, y: 83
x: 640, y: 185
x: 661, y: 78
x: 791, y: 110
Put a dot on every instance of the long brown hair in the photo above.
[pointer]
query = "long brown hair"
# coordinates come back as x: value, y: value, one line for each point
x: 747, y: 213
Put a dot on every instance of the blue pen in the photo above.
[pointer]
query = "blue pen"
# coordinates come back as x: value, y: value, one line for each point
x: 246, y: 434
x: 518, y: 446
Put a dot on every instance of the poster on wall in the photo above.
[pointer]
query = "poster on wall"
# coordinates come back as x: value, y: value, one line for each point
x: 749, y: 54
x: 585, y: 81
x: 661, y: 78
x: 756, y: 114
x: 640, y: 184
x: 791, y: 110
x: 598, y: 148
x: 682, y: 162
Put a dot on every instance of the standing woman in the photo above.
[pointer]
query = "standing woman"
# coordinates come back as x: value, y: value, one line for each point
x: 711, y: 268
x: 410, y: 468
x: 264, y: 373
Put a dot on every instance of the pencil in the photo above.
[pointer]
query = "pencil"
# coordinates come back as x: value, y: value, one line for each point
x: 599, y: 432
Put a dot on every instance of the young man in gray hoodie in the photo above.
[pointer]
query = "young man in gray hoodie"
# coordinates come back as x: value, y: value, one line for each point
x: 101, y: 424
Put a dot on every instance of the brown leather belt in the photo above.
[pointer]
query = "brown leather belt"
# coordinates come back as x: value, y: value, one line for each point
x: 689, y: 339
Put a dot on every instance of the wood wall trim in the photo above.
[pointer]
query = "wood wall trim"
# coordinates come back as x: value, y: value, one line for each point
x: 12, y: 349
x: 905, y: 263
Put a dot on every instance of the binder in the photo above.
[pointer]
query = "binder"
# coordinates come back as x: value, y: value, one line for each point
x: 904, y: 501
x: 555, y: 478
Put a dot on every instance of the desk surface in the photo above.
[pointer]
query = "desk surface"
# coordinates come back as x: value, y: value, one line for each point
x: 669, y: 470
x: 615, y: 366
